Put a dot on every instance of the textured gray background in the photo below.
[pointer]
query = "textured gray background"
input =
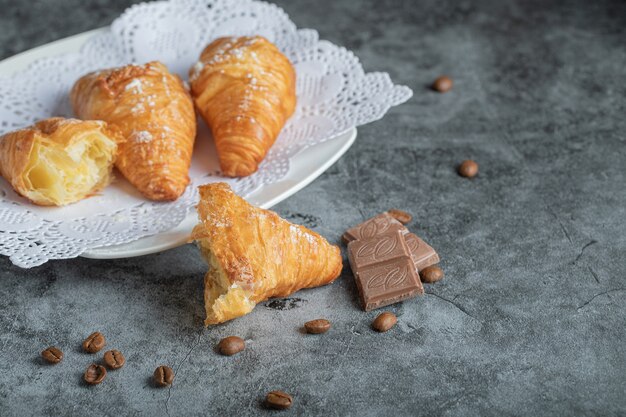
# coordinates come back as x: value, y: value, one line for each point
x: 530, y: 319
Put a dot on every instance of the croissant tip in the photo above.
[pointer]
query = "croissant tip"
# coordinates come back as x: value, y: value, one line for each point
x: 165, y: 190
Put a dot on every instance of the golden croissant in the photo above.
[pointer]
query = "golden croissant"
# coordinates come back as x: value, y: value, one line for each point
x: 253, y: 254
x: 245, y: 90
x: 59, y: 161
x: 154, y: 113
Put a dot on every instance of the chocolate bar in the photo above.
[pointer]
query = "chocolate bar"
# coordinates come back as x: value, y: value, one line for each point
x: 384, y: 270
x: 380, y: 250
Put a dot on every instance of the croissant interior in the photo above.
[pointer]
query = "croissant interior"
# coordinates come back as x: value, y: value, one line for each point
x: 61, y: 174
x: 222, y: 300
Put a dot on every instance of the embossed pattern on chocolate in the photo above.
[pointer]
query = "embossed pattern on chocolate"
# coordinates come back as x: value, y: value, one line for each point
x: 384, y: 270
x: 376, y: 250
x: 386, y: 259
x: 377, y: 225
x: 388, y: 283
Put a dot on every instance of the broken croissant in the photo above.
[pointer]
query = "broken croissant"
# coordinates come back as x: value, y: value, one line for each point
x: 58, y: 161
x: 154, y: 113
x: 245, y: 90
x: 253, y: 254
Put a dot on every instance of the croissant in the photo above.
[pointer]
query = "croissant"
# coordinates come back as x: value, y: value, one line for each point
x: 245, y: 90
x: 254, y: 254
x: 155, y: 114
x: 58, y: 161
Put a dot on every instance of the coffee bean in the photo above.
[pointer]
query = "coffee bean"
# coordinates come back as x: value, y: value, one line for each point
x: 231, y: 345
x: 95, y: 374
x: 468, y: 169
x: 278, y: 400
x: 401, y: 216
x: 431, y: 274
x: 94, y: 342
x: 52, y: 355
x: 114, y: 359
x: 163, y: 376
x: 442, y: 84
x: 384, y: 322
x: 318, y: 326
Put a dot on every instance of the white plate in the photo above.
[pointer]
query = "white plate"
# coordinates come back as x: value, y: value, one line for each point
x: 305, y: 167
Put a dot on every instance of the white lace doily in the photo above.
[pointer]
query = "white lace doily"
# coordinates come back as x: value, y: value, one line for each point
x: 334, y: 95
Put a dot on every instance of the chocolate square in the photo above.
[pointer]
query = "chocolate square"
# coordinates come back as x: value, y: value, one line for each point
x: 377, y: 225
x: 382, y: 248
x: 387, y: 283
x: 422, y: 254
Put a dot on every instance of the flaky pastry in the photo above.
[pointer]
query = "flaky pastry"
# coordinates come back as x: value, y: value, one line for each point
x: 59, y: 161
x: 154, y: 113
x: 245, y: 90
x: 253, y: 254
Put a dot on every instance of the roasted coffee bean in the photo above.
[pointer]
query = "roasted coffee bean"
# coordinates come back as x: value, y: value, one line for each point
x: 400, y: 215
x: 442, y: 84
x: 384, y: 322
x: 114, y: 359
x: 318, y: 326
x: 231, y: 345
x: 94, y: 342
x: 278, y: 400
x: 52, y: 355
x: 468, y: 169
x: 163, y: 376
x: 431, y: 274
x: 95, y: 374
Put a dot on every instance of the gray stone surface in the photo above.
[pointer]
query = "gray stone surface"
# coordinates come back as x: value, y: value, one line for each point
x: 530, y: 318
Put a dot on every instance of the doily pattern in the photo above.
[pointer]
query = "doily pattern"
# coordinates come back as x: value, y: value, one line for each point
x: 334, y: 95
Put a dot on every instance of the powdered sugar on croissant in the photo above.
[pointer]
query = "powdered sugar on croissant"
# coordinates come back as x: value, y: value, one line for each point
x: 155, y: 113
x: 245, y: 90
